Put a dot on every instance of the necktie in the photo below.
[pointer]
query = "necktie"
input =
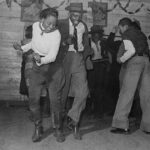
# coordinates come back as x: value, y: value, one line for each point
x: 97, y: 46
x: 75, y: 39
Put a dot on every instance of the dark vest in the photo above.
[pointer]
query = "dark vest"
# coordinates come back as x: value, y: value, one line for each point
x: 138, y: 39
x: 63, y: 26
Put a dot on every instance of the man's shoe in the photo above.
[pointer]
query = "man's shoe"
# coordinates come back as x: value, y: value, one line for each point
x: 120, y: 131
x: 59, y: 136
x: 77, y: 134
x: 70, y: 123
x: 146, y: 132
x: 37, y: 136
x: 74, y: 126
x: 57, y: 120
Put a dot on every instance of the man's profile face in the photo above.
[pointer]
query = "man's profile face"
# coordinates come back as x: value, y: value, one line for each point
x: 122, y: 28
x: 75, y: 17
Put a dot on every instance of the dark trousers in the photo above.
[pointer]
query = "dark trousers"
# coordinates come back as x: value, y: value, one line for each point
x: 113, y: 86
x: 97, y: 79
x: 76, y: 84
x: 53, y: 76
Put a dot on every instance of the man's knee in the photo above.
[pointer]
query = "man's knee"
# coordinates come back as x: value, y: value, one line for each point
x: 82, y: 93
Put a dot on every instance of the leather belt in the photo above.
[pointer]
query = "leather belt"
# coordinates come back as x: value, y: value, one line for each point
x: 141, y: 54
x: 100, y: 60
x: 41, y: 56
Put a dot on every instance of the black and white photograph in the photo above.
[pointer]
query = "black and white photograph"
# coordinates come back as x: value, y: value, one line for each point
x: 74, y: 74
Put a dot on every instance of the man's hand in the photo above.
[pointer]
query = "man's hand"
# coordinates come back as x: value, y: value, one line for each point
x: 115, y: 29
x: 118, y: 60
x: 69, y: 40
x: 17, y: 46
x: 37, y: 57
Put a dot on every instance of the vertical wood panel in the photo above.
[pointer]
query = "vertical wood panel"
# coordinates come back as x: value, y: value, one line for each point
x: 11, y: 29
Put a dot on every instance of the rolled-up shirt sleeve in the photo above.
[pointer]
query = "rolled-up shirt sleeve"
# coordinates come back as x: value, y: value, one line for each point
x: 51, y: 56
x: 130, y: 51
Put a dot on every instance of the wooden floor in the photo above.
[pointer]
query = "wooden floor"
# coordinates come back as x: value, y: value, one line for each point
x: 16, y: 131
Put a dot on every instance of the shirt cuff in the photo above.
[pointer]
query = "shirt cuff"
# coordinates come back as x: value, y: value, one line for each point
x: 38, y: 64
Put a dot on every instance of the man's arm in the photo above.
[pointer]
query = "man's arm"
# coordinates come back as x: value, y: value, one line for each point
x: 55, y: 44
x: 111, y: 37
x: 130, y: 51
x: 23, y: 48
x: 26, y: 47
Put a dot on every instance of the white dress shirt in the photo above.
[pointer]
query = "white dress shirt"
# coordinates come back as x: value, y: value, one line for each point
x: 130, y: 51
x: 97, y: 50
x: 80, y: 31
x: 46, y: 44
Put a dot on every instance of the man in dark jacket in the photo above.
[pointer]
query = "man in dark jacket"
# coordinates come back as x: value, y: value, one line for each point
x: 75, y: 42
x: 135, y: 72
x: 98, y: 76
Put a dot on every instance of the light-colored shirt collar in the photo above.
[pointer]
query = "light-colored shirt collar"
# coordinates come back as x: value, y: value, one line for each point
x: 80, y: 31
x: 41, y: 24
x: 70, y: 23
x: 97, y: 42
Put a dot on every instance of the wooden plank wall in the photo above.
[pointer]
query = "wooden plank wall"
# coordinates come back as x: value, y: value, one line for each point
x: 11, y: 30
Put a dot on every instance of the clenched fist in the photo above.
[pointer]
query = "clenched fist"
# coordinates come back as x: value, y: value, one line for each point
x: 118, y: 60
x: 17, y: 46
x: 69, y: 40
x: 115, y: 29
x: 37, y: 57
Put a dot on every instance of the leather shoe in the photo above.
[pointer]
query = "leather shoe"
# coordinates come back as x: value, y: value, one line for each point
x: 58, y: 134
x: 37, y: 136
x: 77, y: 134
x: 72, y: 125
x: 146, y: 132
x: 120, y: 131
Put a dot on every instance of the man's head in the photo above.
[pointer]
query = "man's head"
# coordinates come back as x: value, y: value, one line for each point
x: 75, y: 17
x: 96, y: 37
x: 75, y: 12
x: 124, y: 24
x: 96, y: 32
x: 49, y: 18
x: 136, y: 25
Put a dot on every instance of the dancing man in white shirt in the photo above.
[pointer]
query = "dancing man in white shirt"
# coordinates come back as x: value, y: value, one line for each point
x: 47, y: 69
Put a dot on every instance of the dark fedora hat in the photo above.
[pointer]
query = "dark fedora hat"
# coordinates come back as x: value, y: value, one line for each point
x: 96, y: 29
x: 76, y: 7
